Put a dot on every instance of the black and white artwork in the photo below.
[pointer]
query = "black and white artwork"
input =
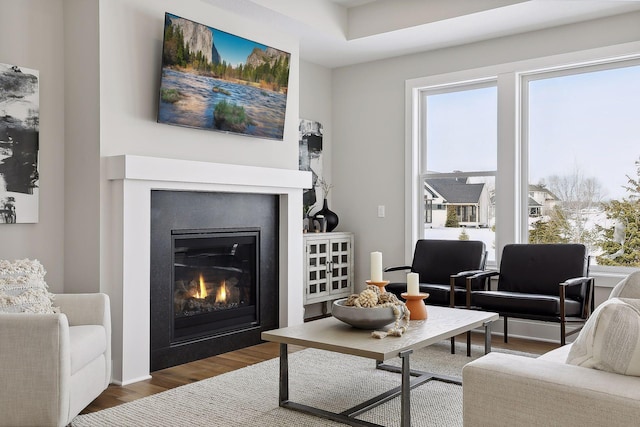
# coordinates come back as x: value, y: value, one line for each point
x: 19, y: 129
x: 310, y: 159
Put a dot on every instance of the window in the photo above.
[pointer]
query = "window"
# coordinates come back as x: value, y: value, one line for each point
x: 553, y: 153
x: 460, y: 162
x: 583, y: 139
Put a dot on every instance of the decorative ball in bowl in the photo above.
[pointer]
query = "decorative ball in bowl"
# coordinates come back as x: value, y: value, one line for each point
x: 364, y: 317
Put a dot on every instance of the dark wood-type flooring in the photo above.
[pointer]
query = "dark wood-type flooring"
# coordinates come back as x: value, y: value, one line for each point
x: 210, y: 367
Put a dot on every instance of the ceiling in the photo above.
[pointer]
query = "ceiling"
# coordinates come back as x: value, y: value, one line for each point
x: 336, y: 33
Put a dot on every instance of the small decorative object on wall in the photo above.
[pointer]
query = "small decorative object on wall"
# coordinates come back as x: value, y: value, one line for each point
x: 215, y: 80
x: 19, y: 141
x: 310, y: 158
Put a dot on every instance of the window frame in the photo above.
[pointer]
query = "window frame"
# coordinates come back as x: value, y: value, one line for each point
x: 512, y: 186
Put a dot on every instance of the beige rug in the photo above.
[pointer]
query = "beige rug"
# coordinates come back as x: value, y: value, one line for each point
x: 331, y: 381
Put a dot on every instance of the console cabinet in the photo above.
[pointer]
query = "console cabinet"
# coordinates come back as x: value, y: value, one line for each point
x: 328, y: 268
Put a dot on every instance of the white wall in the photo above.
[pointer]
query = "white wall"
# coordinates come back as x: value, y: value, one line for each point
x: 369, y: 124
x: 31, y: 35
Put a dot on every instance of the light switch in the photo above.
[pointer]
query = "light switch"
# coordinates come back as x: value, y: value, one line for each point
x: 380, y: 211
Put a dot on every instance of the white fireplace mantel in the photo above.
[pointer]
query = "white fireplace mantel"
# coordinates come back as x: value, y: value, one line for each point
x: 131, y: 180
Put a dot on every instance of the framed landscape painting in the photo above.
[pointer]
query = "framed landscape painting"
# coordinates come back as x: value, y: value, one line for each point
x: 19, y: 144
x: 218, y: 81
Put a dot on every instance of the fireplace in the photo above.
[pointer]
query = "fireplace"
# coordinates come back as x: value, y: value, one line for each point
x: 126, y: 253
x: 214, y: 281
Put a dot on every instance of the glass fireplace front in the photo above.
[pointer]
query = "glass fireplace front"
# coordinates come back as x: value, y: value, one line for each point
x: 215, y: 281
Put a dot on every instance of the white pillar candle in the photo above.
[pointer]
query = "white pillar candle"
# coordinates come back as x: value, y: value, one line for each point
x: 376, y: 266
x: 412, y: 284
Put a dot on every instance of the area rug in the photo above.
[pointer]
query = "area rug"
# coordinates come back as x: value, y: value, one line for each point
x: 331, y: 381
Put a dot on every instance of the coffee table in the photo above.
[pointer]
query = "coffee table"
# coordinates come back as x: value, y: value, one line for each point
x: 333, y: 335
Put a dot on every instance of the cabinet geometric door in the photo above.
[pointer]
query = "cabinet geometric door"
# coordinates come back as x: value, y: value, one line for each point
x: 328, y: 266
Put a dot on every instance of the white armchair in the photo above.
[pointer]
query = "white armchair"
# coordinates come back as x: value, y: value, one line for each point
x: 53, y: 365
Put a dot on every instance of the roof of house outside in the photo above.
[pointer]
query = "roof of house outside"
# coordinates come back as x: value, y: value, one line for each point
x: 540, y: 188
x: 533, y: 203
x: 453, y: 190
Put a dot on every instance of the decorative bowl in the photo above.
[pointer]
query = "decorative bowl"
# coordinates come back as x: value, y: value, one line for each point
x: 361, y: 317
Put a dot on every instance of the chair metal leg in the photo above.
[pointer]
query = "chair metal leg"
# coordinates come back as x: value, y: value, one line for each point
x: 453, y: 345
x: 506, y: 338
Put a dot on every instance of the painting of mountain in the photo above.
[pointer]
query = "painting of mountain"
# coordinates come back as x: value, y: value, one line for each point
x: 218, y: 81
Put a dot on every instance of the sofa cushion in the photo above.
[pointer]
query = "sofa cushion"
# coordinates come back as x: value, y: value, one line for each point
x: 86, y: 342
x: 610, y: 339
x: 23, y: 288
x: 629, y: 287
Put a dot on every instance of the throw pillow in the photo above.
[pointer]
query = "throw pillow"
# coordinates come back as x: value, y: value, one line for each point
x: 610, y: 339
x: 23, y: 289
x: 629, y: 287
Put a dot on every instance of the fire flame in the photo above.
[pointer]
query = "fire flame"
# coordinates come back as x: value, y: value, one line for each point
x: 221, y: 294
x: 202, y: 292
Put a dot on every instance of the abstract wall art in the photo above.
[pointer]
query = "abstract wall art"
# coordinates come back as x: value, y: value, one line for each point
x: 19, y: 144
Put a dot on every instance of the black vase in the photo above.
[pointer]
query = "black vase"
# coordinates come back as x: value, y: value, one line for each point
x: 330, y: 217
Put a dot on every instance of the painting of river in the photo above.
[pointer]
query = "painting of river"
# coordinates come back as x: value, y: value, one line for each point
x: 200, y: 94
x: 218, y: 81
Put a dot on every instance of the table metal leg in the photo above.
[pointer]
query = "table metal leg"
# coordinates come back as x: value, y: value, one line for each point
x: 284, y: 374
x: 405, y: 404
x: 487, y: 337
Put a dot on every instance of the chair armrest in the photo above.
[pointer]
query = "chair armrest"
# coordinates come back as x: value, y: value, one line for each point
x: 519, y: 390
x: 35, y: 366
x: 466, y: 273
x: 588, y: 303
x: 397, y: 268
x: 484, y: 275
x: 88, y: 309
x: 84, y: 309
x: 575, y: 281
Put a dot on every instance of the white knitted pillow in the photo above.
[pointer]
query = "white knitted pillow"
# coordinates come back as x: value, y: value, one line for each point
x: 23, y: 289
x: 610, y: 340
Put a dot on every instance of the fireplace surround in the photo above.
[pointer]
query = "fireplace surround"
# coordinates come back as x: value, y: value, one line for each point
x: 127, y: 234
x: 214, y: 281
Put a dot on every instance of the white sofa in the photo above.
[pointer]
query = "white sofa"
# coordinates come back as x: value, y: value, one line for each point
x: 509, y: 390
x: 53, y: 365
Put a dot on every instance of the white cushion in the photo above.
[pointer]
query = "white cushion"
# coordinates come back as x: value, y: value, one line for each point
x: 610, y: 339
x: 23, y: 289
x: 629, y: 287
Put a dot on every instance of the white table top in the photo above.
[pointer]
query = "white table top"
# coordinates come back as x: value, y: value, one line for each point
x: 335, y: 335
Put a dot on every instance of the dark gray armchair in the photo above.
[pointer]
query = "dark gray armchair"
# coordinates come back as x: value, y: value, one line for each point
x: 547, y: 282
x: 443, y: 266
